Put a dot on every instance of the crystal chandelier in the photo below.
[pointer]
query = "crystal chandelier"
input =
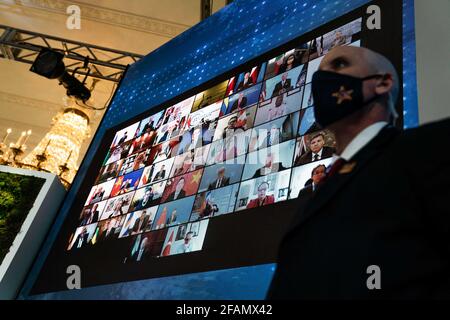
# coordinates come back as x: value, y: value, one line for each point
x: 58, y: 151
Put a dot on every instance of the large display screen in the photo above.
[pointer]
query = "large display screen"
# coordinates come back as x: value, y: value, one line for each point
x: 211, y: 179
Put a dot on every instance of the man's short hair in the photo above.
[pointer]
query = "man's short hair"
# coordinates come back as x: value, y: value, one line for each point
x: 318, y: 134
x: 319, y: 166
x: 266, y: 183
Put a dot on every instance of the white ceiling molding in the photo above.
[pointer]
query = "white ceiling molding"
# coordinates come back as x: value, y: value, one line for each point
x: 30, y: 102
x: 107, y: 16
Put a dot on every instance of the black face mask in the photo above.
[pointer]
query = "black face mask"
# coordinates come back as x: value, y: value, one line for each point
x: 336, y: 96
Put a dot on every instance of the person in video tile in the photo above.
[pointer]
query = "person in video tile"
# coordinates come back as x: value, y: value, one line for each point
x: 283, y: 86
x: 317, y: 174
x: 109, y: 229
x: 146, y: 200
x: 232, y: 128
x: 290, y: 62
x: 90, y: 215
x: 109, y: 171
x: 279, y: 109
x: 240, y: 103
x: 143, y: 142
x: 262, y: 199
x: 317, y: 150
x: 98, y: 194
x: 220, y: 181
x: 207, y: 208
x: 84, y: 217
x: 247, y: 82
x: 172, y: 219
x: 161, y: 174
x: 186, y: 245
x: 179, y: 190
x: 183, y: 163
x: 82, y: 238
x: 269, y: 167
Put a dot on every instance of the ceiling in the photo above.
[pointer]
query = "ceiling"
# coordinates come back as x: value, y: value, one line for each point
x: 28, y: 101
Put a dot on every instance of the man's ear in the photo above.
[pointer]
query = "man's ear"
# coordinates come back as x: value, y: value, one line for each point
x: 385, y: 85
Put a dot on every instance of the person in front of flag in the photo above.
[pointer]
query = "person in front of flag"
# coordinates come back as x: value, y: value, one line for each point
x: 383, y: 201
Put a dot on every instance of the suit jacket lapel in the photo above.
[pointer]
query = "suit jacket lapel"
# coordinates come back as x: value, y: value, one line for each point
x: 326, y: 192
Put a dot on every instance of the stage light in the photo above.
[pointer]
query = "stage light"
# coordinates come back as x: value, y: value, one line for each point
x: 50, y: 64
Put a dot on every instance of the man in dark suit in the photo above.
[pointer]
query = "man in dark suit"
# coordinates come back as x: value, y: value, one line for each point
x: 161, y: 174
x: 146, y: 199
x: 94, y: 214
x: 378, y: 226
x: 269, y: 167
x: 317, y: 174
x: 123, y: 139
x: 247, y: 82
x: 283, y: 86
x: 82, y: 238
x: 317, y: 150
x: 240, y: 103
x: 220, y: 181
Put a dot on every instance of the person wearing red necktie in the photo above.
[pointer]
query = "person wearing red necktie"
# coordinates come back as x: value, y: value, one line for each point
x: 378, y: 224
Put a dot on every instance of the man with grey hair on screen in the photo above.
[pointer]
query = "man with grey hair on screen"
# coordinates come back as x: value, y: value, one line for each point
x: 378, y: 225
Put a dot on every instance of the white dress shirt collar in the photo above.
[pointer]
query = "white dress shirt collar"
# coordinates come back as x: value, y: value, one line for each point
x: 318, y: 153
x: 361, y: 140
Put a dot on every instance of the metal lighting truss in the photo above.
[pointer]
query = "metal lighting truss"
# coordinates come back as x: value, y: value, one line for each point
x: 24, y: 46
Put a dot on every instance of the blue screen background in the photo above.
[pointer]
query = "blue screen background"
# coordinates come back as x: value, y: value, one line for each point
x: 248, y: 28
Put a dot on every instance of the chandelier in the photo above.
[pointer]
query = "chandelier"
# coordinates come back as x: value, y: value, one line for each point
x: 58, y: 151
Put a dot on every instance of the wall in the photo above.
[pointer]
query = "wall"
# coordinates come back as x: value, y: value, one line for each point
x: 433, y: 53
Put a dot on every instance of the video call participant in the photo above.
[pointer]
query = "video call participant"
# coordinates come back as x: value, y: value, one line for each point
x: 161, y: 173
x: 289, y: 63
x: 148, y: 127
x: 172, y: 219
x: 240, y: 103
x: 247, y: 82
x: 167, y: 133
x: 82, y: 238
x: 123, y: 139
x: 273, y: 137
x: 127, y: 229
x: 279, y: 109
x: 94, y: 214
x: 109, y: 173
x: 283, y: 86
x: 317, y: 174
x: 138, y: 224
x: 104, y: 232
x: 97, y: 195
x: 317, y: 150
x: 118, y: 208
x: 196, y: 138
x: 262, y: 199
x: 220, y: 181
x: 143, y: 250
x: 179, y: 192
x: 146, y: 200
x: 85, y: 216
x: 146, y: 222
x: 269, y: 167
x: 232, y: 128
x: 186, y: 165
x: 381, y: 202
x: 208, y: 208
x: 186, y: 245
